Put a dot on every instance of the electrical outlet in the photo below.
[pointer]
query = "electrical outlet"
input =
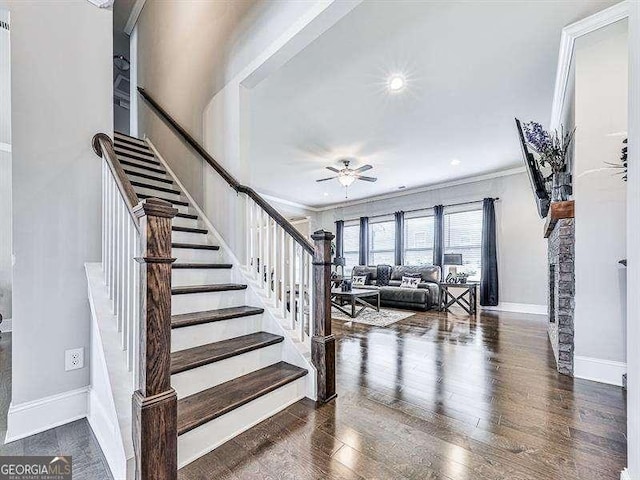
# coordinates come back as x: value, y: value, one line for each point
x: 74, y: 359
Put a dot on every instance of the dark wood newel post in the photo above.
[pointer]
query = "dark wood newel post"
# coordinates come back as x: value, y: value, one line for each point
x: 155, y: 426
x: 323, y: 343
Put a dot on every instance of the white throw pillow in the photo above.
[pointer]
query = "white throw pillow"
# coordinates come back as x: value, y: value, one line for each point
x: 410, y: 282
x: 358, y: 280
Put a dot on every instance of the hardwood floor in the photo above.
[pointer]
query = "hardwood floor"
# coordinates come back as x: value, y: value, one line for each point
x: 437, y: 396
x: 75, y: 439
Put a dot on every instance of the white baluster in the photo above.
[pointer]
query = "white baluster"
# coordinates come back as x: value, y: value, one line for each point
x: 267, y: 256
x: 136, y: 309
x: 247, y: 226
x: 292, y: 282
x: 276, y: 265
x: 283, y: 272
x: 302, y: 291
x: 260, y: 247
x: 310, y: 317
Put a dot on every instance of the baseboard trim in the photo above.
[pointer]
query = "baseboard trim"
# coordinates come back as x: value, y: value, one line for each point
x: 29, y: 418
x: 624, y: 475
x: 6, y: 325
x: 598, y: 370
x: 519, y: 308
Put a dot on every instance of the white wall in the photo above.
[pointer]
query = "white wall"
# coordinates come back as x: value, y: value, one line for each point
x: 5, y: 173
x: 61, y: 96
x: 601, y: 93
x: 522, y: 252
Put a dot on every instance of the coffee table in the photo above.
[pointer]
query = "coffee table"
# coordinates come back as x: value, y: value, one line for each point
x: 355, y: 296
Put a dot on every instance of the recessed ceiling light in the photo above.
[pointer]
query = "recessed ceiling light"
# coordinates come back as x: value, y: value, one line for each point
x: 455, y: 162
x: 326, y: 194
x: 396, y: 83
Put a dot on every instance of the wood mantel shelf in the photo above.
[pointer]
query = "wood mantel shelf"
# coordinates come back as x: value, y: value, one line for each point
x: 557, y: 211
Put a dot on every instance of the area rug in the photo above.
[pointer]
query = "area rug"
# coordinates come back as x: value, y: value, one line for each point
x: 383, y: 318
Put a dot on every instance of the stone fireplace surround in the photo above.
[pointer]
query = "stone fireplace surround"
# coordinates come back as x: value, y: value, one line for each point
x: 560, y: 233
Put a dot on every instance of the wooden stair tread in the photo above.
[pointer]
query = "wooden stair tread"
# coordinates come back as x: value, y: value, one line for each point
x: 170, y: 200
x: 201, y: 265
x: 126, y: 136
x: 136, y: 183
x: 124, y: 161
x: 190, y: 358
x: 202, y: 407
x: 195, y: 246
x: 137, y: 157
x: 118, y: 140
x: 190, y: 216
x: 189, y: 229
x: 139, y: 149
x: 214, y: 287
x: 148, y: 177
x: 197, y: 318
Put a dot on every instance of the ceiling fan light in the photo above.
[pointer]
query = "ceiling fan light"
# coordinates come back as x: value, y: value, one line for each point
x: 346, y: 179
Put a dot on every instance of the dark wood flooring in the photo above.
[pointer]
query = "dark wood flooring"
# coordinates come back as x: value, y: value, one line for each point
x: 75, y: 439
x: 437, y: 396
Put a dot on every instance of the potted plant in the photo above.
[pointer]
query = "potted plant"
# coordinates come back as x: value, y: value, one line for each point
x: 552, y: 150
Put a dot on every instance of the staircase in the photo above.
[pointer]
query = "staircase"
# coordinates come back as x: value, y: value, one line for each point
x: 227, y: 371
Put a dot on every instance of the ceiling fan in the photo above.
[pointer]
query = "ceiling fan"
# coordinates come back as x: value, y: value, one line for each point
x: 346, y: 176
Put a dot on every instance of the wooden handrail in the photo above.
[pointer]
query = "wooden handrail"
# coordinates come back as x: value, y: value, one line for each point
x: 233, y: 183
x: 103, y: 146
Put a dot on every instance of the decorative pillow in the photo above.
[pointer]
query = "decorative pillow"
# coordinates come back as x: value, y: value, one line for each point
x: 410, y: 282
x: 358, y: 280
x: 383, y: 274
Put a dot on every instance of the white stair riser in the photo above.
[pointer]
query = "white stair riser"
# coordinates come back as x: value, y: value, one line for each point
x: 180, y: 208
x: 157, y: 193
x: 199, y: 302
x: 187, y: 255
x: 196, y: 335
x: 199, y: 276
x: 145, y: 171
x: 201, y: 440
x: 156, y: 183
x: 137, y: 161
x: 190, y: 237
x: 185, y: 222
x: 199, y: 379
x: 136, y: 141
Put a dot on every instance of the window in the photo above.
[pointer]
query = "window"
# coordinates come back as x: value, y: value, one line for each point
x: 382, y: 243
x: 418, y: 241
x: 463, y: 234
x: 350, y: 245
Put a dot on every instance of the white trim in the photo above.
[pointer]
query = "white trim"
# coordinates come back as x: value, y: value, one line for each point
x: 5, y: 147
x: 133, y: 16
x: 29, y: 418
x: 624, y: 475
x: 567, y: 42
x: 598, y: 370
x: 531, y: 308
x: 102, y: 3
x: 6, y: 326
x: 409, y: 191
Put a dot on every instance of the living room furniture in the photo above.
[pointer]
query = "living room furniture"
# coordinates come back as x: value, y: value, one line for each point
x: 453, y: 260
x: 466, y: 299
x: 425, y: 297
x: 353, y: 297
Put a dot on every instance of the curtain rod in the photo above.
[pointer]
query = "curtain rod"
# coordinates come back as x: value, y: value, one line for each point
x: 420, y: 209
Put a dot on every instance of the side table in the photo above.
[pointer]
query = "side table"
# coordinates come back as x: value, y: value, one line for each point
x: 466, y: 299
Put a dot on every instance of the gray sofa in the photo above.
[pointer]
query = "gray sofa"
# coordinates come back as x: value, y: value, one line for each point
x: 425, y: 297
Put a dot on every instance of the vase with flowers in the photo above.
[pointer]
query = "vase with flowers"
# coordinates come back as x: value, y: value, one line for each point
x: 552, y: 150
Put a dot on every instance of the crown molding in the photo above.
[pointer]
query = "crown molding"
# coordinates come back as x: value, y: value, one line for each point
x: 102, y: 3
x: 403, y: 193
x: 133, y: 16
x: 569, y: 35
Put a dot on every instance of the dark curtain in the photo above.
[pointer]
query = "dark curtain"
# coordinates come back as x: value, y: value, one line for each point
x: 399, y: 246
x: 339, y: 239
x: 438, y: 235
x: 364, y: 241
x: 489, y: 275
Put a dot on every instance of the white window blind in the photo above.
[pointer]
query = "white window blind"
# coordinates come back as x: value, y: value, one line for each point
x: 350, y: 245
x: 382, y: 243
x: 418, y: 241
x: 463, y: 235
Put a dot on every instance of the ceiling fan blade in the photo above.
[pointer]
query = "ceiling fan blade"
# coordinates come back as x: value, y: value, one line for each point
x: 366, y: 179
x: 363, y: 168
x: 333, y: 169
x: 325, y: 179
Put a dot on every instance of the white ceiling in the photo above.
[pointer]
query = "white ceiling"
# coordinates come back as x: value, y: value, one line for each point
x: 471, y: 67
